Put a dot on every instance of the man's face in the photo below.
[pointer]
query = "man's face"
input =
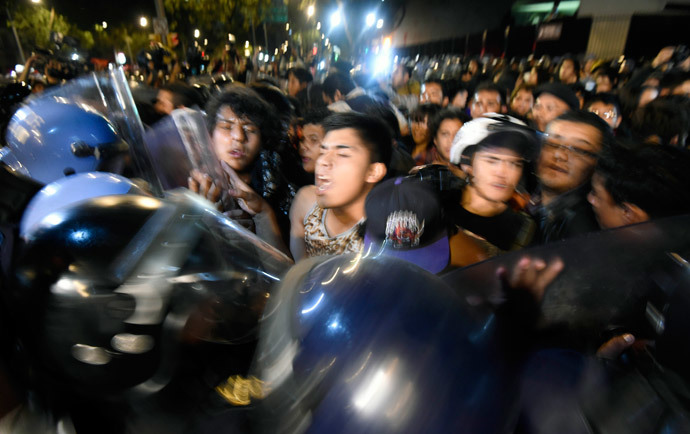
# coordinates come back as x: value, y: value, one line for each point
x: 432, y: 93
x: 567, y: 72
x: 420, y: 131
x: 310, y: 146
x: 603, y: 83
x: 609, y: 214
x: 445, y: 135
x: 485, y: 101
x: 607, y: 112
x: 495, y: 173
x: 343, y: 169
x: 547, y: 108
x: 236, y: 140
x: 294, y: 85
x: 522, y: 103
x: 568, y: 155
x: 460, y: 99
x: 164, y: 102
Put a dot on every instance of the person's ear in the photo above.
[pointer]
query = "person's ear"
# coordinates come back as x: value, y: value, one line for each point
x: 504, y: 108
x: 376, y: 172
x: 444, y: 102
x: 633, y: 214
x: 337, y: 96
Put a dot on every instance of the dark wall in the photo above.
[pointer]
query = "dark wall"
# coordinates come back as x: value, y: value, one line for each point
x: 648, y: 33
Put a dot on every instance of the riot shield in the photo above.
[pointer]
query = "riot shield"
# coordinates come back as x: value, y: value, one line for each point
x: 180, y: 143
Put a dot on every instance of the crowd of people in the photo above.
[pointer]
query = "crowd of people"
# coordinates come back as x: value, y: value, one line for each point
x: 519, y: 153
x: 441, y: 170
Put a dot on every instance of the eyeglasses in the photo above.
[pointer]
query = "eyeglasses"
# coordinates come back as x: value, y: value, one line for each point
x: 551, y: 144
x: 611, y: 114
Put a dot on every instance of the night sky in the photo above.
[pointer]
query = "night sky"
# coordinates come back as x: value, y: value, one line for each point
x: 86, y: 13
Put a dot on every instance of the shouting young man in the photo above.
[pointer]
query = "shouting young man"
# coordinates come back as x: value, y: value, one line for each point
x: 327, y: 218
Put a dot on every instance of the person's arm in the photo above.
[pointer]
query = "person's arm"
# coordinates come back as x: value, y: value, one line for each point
x: 27, y: 67
x: 301, y: 204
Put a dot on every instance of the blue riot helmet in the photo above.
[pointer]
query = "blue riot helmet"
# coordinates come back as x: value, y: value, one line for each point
x: 49, y: 139
x: 106, y: 291
x: 376, y: 345
x: 70, y: 190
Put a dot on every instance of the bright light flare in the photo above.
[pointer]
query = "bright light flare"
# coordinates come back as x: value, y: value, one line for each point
x: 310, y: 11
x: 143, y: 22
x: 379, y: 23
x: 336, y: 18
x: 370, y: 19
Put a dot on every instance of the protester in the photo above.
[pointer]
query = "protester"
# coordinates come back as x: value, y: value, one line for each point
x: 488, y: 98
x: 551, y: 101
x: 327, y: 218
x: 245, y: 133
x: 494, y: 172
x: 443, y: 128
x: 568, y: 156
x: 174, y: 96
x: 608, y: 107
x: 311, y: 135
x: 433, y: 92
x: 631, y: 187
x: 521, y: 101
x: 299, y: 80
x: 420, y: 121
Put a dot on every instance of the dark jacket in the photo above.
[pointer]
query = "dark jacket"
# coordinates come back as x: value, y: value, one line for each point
x: 567, y: 216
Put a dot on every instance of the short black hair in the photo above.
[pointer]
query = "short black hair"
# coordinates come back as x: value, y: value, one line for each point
x: 523, y: 86
x: 315, y: 116
x: 183, y: 95
x: 654, y: 178
x: 455, y: 88
x: 246, y: 103
x: 605, y: 98
x: 611, y: 73
x: 446, y: 113
x: 441, y: 83
x: 585, y: 117
x: 372, y: 131
x: 428, y: 110
x: 576, y: 65
x: 664, y: 118
x: 301, y: 74
x: 492, y: 87
x: 338, y: 81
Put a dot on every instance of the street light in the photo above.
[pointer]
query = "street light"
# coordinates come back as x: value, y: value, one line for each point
x: 287, y: 26
x: 318, y: 25
x: 379, y: 23
x: 371, y: 19
x: 336, y: 18
x: 197, y: 33
x: 310, y: 11
x: 143, y: 22
x: 36, y: 1
x: 104, y: 24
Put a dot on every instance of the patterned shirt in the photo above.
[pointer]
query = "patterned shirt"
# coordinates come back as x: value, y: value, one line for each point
x: 319, y: 243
